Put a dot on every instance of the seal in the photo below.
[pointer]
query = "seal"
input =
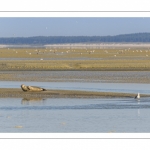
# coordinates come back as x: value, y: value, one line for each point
x: 24, y: 88
x: 31, y: 88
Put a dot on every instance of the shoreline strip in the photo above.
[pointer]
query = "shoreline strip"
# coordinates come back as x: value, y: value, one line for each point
x: 18, y: 93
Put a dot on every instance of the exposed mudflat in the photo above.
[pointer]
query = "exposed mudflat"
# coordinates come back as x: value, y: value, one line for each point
x: 4, y: 92
x: 80, y: 76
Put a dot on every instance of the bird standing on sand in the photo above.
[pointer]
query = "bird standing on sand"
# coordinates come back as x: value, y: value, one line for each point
x: 137, y: 96
x: 31, y: 88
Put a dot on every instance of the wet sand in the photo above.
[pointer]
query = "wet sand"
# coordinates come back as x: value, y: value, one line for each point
x: 77, y: 76
x: 18, y: 93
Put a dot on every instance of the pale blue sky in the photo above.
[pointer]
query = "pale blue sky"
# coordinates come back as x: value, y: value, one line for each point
x: 26, y: 27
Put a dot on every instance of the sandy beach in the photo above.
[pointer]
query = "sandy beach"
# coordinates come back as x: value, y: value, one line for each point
x: 18, y: 93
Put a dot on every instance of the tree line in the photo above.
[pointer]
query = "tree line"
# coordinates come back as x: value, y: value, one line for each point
x: 41, y: 40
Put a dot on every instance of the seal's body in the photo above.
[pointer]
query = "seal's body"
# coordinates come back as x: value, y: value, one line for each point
x: 31, y: 88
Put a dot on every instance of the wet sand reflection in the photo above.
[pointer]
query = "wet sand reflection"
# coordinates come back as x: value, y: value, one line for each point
x: 35, y: 100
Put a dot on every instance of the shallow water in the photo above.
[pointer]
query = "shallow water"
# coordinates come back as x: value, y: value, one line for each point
x: 74, y: 115
x: 70, y: 115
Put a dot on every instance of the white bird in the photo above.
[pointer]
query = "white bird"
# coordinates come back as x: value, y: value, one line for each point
x: 137, y: 96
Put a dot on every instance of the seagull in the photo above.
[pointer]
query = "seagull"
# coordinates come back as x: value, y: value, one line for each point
x: 31, y: 88
x: 137, y: 96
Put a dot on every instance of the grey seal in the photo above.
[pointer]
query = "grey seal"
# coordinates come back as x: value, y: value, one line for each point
x: 31, y: 88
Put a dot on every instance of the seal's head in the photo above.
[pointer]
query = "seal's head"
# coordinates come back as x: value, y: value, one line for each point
x: 24, y: 88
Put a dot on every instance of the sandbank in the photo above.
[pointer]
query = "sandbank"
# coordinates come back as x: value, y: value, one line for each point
x: 18, y: 93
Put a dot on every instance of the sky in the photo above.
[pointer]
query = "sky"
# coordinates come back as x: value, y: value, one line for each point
x: 72, y: 26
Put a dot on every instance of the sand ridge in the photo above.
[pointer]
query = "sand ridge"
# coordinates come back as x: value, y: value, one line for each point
x: 18, y: 93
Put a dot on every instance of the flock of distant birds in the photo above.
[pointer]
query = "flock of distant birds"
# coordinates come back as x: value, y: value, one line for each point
x: 55, y: 51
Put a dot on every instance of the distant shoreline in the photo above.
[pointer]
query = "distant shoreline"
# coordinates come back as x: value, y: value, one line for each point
x: 133, y: 37
x: 80, y: 45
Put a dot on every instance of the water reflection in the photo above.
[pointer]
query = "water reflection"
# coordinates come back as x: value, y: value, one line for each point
x: 30, y: 101
x: 64, y: 115
x: 64, y: 104
x: 139, y: 108
x: 138, y: 112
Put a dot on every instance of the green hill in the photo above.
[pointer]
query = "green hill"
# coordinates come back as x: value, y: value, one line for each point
x: 41, y: 40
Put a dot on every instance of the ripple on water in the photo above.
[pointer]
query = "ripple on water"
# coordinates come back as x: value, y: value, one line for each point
x: 75, y: 115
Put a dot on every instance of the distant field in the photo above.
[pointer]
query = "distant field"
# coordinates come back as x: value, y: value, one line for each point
x: 71, y: 58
